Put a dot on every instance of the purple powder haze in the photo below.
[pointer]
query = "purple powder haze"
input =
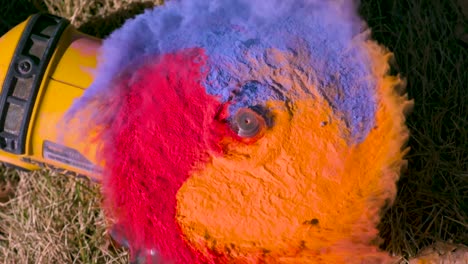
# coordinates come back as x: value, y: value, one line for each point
x: 238, y: 37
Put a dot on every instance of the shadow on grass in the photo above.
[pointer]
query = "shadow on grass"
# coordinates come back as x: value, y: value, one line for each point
x: 432, y: 200
x: 15, y: 12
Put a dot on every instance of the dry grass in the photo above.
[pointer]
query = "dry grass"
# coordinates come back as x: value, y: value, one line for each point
x: 53, y: 219
x: 81, y: 11
x: 96, y: 17
x: 49, y: 218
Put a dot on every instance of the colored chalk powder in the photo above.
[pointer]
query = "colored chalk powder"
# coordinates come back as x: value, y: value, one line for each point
x: 247, y: 132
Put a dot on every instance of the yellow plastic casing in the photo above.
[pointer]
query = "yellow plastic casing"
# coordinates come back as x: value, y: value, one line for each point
x: 68, y: 74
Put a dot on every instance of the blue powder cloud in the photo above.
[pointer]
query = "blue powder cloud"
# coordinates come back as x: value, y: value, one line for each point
x: 234, y: 33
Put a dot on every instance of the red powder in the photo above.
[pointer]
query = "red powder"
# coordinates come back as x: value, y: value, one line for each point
x: 164, y: 126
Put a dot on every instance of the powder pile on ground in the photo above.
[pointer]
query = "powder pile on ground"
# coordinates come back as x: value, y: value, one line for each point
x: 177, y: 179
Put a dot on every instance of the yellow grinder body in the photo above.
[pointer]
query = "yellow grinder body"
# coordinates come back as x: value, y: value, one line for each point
x: 45, y: 63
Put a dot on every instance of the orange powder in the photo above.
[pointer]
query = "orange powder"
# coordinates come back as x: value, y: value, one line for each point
x: 300, y: 194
